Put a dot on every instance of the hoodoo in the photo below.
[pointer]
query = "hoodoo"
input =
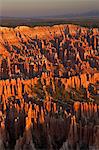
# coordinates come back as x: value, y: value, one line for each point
x: 49, y: 88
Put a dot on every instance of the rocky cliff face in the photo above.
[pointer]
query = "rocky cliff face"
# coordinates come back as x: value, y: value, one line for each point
x: 49, y: 88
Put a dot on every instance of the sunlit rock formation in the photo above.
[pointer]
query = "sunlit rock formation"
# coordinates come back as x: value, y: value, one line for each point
x: 49, y: 88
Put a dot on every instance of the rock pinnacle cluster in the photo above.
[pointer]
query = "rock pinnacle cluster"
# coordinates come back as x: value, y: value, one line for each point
x: 49, y: 88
